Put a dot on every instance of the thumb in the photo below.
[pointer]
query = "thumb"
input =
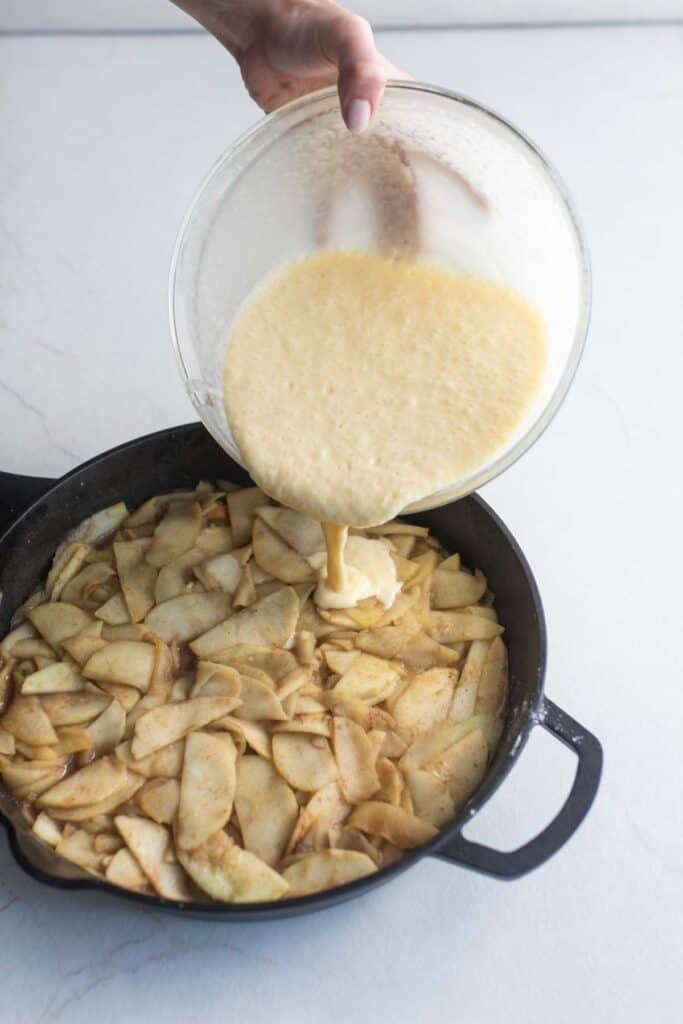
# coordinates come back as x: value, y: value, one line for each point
x: 347, y: 42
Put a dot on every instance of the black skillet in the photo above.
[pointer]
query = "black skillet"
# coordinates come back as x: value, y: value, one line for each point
x: 36, y: 514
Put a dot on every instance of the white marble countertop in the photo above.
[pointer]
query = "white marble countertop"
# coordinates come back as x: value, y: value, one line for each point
x: 103, y: 142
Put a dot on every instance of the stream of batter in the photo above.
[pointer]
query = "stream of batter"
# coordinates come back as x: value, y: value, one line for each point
x: 355, y: 384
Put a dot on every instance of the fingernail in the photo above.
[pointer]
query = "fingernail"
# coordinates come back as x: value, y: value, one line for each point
x: 358, y: 115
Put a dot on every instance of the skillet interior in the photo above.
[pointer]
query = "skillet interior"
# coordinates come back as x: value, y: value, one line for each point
x: 176, y: 459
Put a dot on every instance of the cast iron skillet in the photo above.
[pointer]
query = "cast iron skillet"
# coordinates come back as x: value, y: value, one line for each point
x: 177, y: 459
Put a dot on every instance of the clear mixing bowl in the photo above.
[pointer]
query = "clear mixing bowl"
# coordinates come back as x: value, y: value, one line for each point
x: 436, y: 173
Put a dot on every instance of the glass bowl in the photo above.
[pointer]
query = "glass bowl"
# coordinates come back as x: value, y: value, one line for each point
x: 435, y: 170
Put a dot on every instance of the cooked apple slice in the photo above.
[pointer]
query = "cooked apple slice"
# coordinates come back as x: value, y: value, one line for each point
x: 65, y: 565
x: 326, y: 869
x: 164, y: 725
x: 183, y: 618
x: 492, y: 690
x: 343, y: 838
x: 79, y: 848
x: 207, y: 788
x: 26, y: 720
x: 426, y: 565
x: 7, y: 743
x: 426, y: 700
x: 483, y: 611
x: 369, y: 679
x: 87, y: 813
x: 55, y: 678
x: 226, y: 872
x: 102, y: 525
x: 176, y: 533
x: 166, y: 763
x: 357, y: 710
x: 72, y: 740
x: 127, y: 696
x: 151, y: 846
x: 106, y: 731
x: 312, y: 724
x: 33, y: 648
x: 306, y: 762
x: 57, y: 621
x: 214, y: 680
x: 124, y: 870
x: 294, y: 681
x: 21, y: 632
x: 452, y: 627
x: 18, y: 774
x: 275, y: 663
x: 250, y: 672
x: 136, y: 576
x: 245, y: 594
x: 393, y: 824
x: 325, y: 810
x: 85, y: 588
x: 405, y: 569
x: 127, y: 662
x: 114, y: 611
x: 173, y: 579
x: 430, y: 796
x: 151, y: 511
x: 74, y: 708
x: 271, y: 621
x: 258, y: 701
x: 390, y: 780
x: 428, y: 746
x: 82, y: 647
x: 340, y: 661
x: 355, y: 757
x: 464, y: 698
x: 462, y: 766
x: 158, y: 799
x: 242, y: 507
x: 456, y: 589
x: 47, y: 829
x: 223, y: 572
x: 246, y: 733
x: 90, y: 785
x: 301, y: 533
x: 266, y: 807
x: 276, y: 557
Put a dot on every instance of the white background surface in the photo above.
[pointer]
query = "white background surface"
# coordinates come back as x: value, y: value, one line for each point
x: 103, y: 143
x: 160, y: 14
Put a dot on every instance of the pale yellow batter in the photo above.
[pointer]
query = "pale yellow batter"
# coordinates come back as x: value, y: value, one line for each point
x: 355, y: 384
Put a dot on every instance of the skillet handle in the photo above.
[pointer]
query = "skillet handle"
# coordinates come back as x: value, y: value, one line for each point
x: 575, y: 808
x: 17, y: 493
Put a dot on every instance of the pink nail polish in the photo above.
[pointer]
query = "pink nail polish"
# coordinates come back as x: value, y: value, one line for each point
x: 358, y: 115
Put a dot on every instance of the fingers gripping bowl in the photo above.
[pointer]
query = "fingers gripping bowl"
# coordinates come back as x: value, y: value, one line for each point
x: 173, y: 461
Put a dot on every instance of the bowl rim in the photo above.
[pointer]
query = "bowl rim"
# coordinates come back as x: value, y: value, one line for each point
x: 547, y: 414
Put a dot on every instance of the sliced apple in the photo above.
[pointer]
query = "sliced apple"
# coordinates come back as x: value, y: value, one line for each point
x: 207, y: 788
x: 269, y: 622
x: 227, y: 873
x: 185, y: 617
x: 127, y: 662
x: 326, y: 869
x: 266, y: 807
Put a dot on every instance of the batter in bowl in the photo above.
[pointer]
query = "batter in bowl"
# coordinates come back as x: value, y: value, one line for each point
x: 355, y: 384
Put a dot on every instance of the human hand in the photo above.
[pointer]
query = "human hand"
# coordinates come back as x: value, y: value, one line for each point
x: 287, y: 48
